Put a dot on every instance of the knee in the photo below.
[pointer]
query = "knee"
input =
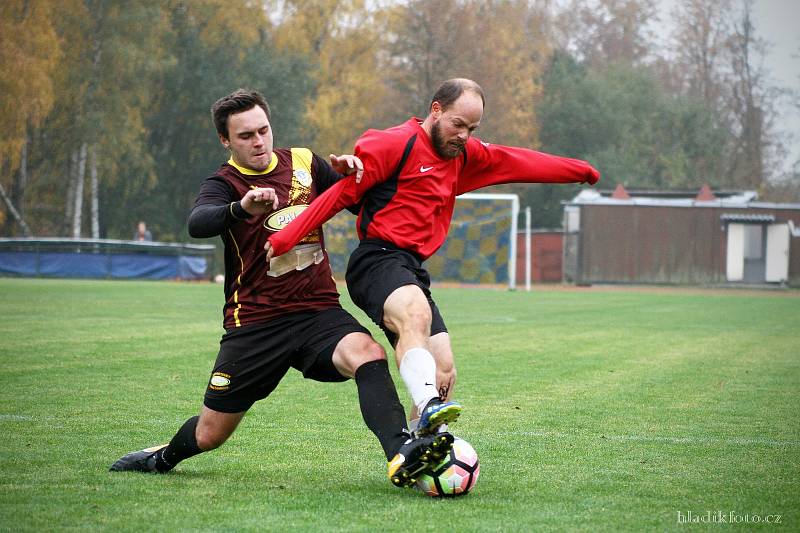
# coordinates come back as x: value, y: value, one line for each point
x: 364, y: 352
x: 353, y: 353
x: 372, y: 351
x: 407, y: 310
x: 415, y: 318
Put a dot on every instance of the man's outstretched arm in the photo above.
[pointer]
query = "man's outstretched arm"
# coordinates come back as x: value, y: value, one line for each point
x: 489, y: 164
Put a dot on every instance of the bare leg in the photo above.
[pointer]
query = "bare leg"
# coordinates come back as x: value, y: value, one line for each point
x: 445, y: 364
x: 198, y: 434
x: 407, y: 313
x: 445, y: 367
x: 214, y: 428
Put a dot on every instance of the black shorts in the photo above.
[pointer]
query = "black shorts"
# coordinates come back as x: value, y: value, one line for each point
x: 253, y: 359
x: 376, y: 269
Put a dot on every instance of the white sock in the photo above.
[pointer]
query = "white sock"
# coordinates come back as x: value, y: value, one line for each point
x: 418, y: 370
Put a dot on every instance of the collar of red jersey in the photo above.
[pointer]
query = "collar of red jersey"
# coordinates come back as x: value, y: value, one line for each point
x: 250, y: 172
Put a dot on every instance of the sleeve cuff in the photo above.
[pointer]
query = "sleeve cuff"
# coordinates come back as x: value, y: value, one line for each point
x: 237, y: 211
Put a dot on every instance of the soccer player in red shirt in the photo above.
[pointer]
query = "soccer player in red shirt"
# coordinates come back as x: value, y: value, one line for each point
x: 286, y: 313
x: 412, y: 175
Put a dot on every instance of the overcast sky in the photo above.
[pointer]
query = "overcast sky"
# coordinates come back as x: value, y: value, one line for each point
x: 778, y: 21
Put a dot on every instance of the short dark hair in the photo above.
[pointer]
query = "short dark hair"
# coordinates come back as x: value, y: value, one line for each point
x: 238, y: 101
x: 452, y: 89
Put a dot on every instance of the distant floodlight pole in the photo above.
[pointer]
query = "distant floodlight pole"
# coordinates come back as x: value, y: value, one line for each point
x: 528, y: 249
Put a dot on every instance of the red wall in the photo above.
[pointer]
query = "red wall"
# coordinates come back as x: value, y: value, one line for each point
x: 546, y: 257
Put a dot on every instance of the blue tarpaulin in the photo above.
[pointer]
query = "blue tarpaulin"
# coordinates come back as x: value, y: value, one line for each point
x: 95, y: 258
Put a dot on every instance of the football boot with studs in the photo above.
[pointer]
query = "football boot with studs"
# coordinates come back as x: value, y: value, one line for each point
x: 418, y: 456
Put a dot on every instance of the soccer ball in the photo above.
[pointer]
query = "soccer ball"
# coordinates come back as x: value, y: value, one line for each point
x: 455, y: 475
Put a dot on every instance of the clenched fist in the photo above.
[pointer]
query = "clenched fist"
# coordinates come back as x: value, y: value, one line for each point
x: 260, y: 201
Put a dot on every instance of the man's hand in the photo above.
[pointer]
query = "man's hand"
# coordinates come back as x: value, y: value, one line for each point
x: 260, y: 201
x: 347, y: 164
x: 593, y: 176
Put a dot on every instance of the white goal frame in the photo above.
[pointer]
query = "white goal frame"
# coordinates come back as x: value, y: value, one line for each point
x: 512, y: 245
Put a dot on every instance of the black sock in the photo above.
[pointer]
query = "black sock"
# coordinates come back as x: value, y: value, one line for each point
x: 182, y: 446
x: 381, y: 408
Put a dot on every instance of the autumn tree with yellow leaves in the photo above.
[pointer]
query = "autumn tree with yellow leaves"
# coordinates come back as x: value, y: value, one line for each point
x: 29, y: 53
x: 341, y: 40
x: 105, y: 103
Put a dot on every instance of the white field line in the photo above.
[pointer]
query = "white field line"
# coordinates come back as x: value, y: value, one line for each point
x: 16, y: 418
x: 737, y: 441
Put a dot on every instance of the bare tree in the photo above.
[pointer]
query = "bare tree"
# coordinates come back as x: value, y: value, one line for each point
x: 10, y: 202
x: 423, y: 52
x: 699, y: 41
x: 718, y: 58
x: 95, y: 192
x: 77, y: 210
x: 600, y: 32
x: 750, y: 104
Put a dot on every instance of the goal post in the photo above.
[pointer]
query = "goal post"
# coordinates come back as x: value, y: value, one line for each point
x: 486, y: 224
x: 513, y: 229
x: 481, y: 245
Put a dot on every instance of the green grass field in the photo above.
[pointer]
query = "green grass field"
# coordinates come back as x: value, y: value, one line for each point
x: 593, y: 410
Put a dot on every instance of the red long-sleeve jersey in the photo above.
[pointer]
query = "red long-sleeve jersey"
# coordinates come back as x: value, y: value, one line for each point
x: 411, y: 205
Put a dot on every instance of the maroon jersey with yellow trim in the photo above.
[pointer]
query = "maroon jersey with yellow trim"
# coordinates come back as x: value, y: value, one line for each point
x: 251, y: 295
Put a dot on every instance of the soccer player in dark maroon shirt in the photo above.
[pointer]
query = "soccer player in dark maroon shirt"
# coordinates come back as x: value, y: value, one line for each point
x: 284, y: 313
x: 412, y: 175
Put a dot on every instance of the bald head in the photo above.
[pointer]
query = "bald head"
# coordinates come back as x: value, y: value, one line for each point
x: 455, y: 113
x: 449, y: 91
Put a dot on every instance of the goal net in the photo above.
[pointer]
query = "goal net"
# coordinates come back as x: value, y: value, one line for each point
x: 479, y: 249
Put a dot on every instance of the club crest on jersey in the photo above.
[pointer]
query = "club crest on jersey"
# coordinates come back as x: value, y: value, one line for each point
x: 281, y: 218
x: 302, y: 176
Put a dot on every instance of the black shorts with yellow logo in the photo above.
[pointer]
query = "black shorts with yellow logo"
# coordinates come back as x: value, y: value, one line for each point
x: 253, y: 359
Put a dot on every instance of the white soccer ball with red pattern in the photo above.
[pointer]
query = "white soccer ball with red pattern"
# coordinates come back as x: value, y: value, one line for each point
x: 455, y: 475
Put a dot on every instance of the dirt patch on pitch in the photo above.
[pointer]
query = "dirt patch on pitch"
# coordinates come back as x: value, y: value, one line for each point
x: 650, y: 289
